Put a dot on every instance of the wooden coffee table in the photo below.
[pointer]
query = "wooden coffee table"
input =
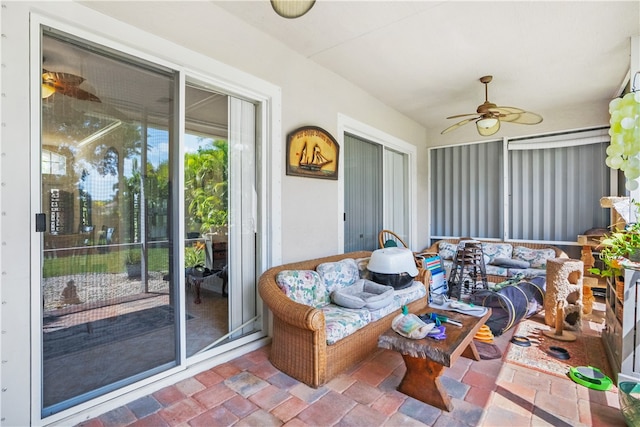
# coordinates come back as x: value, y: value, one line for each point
x: 426, y: 358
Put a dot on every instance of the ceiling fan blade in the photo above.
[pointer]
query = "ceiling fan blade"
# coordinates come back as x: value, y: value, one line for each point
x: 76, y: 92
x: 488, y: 131
x: 67, y: 84
x: 457, y: 125
x: 462, y: 115
x: 523, y: 118
x: 506, y: 110
x: 61, y: 78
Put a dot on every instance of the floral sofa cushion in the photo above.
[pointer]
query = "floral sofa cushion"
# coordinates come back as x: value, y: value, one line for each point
x: 338, y: 274
x: 447, y: 251
x: 303, y: 286
x: 342, y: 322
x: 496, y: 270
x: 537, y: 258
x: 528, y: 273
x: 492, y: 251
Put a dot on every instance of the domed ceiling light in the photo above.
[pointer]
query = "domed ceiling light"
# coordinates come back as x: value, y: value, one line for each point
x: 292, y: 8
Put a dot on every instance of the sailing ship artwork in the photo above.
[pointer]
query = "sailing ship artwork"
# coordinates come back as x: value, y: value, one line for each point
x: 312, y: 152
x: 315, y: 162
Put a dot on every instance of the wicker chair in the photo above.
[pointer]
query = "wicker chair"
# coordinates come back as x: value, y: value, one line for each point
x: 299, y: 346
x: 387, y: 238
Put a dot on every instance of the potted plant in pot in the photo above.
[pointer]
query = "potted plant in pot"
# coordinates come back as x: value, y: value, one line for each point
x: 133, y: 263
x: 616, y: 247
x: 194, y: 259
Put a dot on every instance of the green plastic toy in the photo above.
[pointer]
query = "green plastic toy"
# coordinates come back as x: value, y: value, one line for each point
x: 590, y: 377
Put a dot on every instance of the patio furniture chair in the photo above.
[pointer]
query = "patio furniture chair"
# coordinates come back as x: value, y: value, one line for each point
x: 389, y: 239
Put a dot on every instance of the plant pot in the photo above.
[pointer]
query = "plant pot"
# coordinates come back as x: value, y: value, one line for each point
x: 134, y: 271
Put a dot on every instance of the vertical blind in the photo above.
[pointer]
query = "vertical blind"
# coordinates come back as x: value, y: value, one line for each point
x: 554, y: 185
x: 363, y: 193
x: 467, y: 190
x: 396, y: 216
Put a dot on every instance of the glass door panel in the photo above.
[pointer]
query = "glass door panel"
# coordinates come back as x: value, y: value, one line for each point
x: 206, y: 247
x: 108, y: 306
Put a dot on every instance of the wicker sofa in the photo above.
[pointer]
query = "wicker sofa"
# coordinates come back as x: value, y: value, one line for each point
x: 533, y: 253
x: 300, y: 345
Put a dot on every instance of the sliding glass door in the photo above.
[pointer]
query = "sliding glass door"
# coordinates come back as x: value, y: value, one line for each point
x: 115, y: 296
x: 107, y: 298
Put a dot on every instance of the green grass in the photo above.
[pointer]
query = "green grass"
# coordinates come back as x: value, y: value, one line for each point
x: 110, y: 262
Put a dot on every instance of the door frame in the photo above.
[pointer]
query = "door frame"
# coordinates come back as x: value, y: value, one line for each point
x: 347, y: 124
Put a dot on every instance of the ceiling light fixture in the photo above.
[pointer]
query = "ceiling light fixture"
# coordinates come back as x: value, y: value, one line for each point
x: 292, y: 8
x: 487, y: 123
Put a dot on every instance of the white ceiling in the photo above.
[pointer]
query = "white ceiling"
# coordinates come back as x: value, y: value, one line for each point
x: 424, y: 58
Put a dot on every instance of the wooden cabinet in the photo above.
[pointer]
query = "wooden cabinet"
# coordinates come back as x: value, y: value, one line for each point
x: 621, y: 335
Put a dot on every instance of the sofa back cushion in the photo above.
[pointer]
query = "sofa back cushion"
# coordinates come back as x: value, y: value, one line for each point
x: 537, y: 258
x: 492, y: 251
x: 447, y: 250
x: 303, y: 286
x: 338, y: 274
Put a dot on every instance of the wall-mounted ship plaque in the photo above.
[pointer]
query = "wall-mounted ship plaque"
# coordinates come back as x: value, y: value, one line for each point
x: 312, y: 152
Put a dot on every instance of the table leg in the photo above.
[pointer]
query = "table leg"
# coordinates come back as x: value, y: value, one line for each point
x: 197, y: 282
x: 471, y: 352
x: 422, y: 382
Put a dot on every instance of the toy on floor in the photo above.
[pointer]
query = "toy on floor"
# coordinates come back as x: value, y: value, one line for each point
x: 484, y: 334
x: 590, y: 377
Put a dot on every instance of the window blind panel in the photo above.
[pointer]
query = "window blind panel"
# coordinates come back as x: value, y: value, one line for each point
x: 555, y: 192
x: 363, y: 194
x: 466, y: 189
x: 396, y: 194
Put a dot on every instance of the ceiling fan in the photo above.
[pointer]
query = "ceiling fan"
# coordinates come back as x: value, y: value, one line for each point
x: 66, y: 84
x: 488, y: 116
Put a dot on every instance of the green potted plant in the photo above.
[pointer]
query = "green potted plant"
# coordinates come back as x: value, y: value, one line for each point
x: 616, y: 247
x: 194, y: 257
x: 133, y: 263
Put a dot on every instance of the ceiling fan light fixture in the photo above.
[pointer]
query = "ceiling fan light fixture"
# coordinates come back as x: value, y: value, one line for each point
x: 487, y: 122
x: 488, y: 115
x: 291, y: 9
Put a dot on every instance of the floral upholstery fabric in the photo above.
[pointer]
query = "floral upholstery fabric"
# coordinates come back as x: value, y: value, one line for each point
x: 528, y: 273
x: 537, y: 258
x: 496, y: 270
x: 303, y: 286
x: 383, y: 311
x: 447, y: 250
x: 401, y: 297
x: 342, y: 322
x: 410, y: 293
x: 338, y: 274
x: 492, y: 251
